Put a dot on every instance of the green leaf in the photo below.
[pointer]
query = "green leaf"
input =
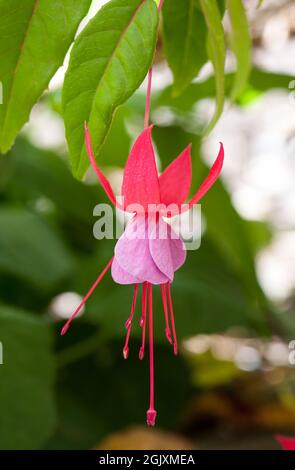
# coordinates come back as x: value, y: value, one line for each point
x: 31, y: 250
x: 240, y: 42
x: 26, y: 381
x: 216, y: 52
x: 109, y: 60
x: 264, y: 81
x: 35, y: 37
x: 184, y: 34
x: 259, y: 81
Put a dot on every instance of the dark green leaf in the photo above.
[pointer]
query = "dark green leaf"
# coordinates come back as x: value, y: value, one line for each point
x: 112, y: 394
x: 284, y: 324
x: 263, y: 81
x: 259, y: 234
x: 26, y: 381
x: 184, y: 33
x: 259, y: 81
x: 109, y: 60
x: 35, y: 173
x: 31, y: 249
x: 34, y: 38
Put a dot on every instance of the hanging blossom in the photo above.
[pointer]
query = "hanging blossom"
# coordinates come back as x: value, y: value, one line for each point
x: 149, y: 251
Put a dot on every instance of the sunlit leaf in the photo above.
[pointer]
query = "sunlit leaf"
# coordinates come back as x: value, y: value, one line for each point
x: 34, y: 38
x: 184, y: 34
x: 240, y: 42
x: 216, y: 52
x: 108, y: 62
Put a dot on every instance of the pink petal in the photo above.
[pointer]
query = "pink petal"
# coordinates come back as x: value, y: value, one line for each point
x: 168, y: 251
x: 175, y: 181
x: 133, y: 254
x: 102, y: 178
x: 120, y: 276
x: 287, y: 443
x: 140, y: 181
x: 178, y: 252
x: 210, y: 180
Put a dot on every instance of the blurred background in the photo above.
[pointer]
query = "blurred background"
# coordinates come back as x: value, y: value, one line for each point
x: 232, y: 386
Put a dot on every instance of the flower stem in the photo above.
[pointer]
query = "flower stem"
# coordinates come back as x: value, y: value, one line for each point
x: 149, y: 85
x: 148, y: 99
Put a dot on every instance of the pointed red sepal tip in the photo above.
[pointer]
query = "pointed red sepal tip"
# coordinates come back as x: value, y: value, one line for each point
x: 125, y: 352
x: 151, y: 417
x: 175, y: 181
x: 141, y: 322
x: 175, y: 349
x: 64, y: 329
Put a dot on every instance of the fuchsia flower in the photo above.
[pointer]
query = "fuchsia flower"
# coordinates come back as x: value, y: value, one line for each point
x: 287, y: 443
x: 149, y: 252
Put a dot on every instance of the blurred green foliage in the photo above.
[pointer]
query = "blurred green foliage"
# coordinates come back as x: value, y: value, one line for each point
x: 68, y: 393
x: 77, y: 388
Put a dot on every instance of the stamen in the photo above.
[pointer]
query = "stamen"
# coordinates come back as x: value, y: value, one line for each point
x: 175, y: 346
x: 92, y: 288
x: 151, y: 413
x: 142, y: 322
x: 164, y: 300
x: 128, y: 324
